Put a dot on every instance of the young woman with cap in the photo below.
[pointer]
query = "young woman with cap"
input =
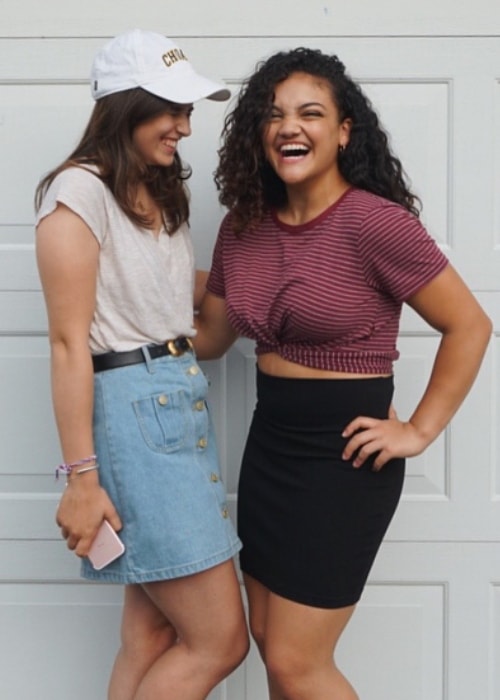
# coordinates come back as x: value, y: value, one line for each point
x: 116, y: 265
x: 321, y: 247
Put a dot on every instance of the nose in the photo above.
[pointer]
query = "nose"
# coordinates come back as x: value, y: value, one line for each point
x: 289, y: 126
x: 183, y: 124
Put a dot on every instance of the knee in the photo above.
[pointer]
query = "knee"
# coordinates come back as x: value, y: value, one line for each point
x: 258, y: 635
x: 143, y: 642
x: 234, y: 648
x: 289, y: 670
x: 293, y: 673
x: 222, y: 655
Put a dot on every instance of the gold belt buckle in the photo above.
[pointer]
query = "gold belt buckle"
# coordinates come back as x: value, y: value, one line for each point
x: 176, y: 351
x: 173, y: 349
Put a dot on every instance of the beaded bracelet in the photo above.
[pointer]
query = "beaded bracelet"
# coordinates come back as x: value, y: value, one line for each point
x: 68, y: 468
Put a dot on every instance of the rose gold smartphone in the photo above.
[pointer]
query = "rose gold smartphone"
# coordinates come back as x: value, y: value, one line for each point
x: 106, y: 547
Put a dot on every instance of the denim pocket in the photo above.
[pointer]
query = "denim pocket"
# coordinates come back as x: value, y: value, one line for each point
x: 163, y: 420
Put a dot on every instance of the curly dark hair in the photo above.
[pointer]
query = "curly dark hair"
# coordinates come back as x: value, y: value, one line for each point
x: 107, y: 143
x: 246, y: 182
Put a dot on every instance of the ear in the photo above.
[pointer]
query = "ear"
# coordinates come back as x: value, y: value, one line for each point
x: 345, y: 132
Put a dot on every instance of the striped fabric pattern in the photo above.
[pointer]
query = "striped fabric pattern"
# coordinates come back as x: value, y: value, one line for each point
x: 326, y: 294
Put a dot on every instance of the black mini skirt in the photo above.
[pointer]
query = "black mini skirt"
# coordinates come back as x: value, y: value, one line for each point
x: 311, y: 524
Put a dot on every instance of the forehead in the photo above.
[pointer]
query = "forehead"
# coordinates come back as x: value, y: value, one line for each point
x: 303, y: 86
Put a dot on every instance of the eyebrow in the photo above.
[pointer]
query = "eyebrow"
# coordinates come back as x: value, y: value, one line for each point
x: 305, y: 105
x: 312, y: 104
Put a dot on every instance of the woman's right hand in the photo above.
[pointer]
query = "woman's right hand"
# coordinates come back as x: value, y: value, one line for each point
x: 83, y: 506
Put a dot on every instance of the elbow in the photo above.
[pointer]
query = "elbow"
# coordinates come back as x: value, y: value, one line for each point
x: 487, y: 329
x: 60, y: 347
x: 66, y: 349
x: 208, y: 343
x: 217, y: 353
x: 484, y: 328
x: 207, y: 352
x: 489, y: 324
x: 478, y: 333
x: 471, y: 334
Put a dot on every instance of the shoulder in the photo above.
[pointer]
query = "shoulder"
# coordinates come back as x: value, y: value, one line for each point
x: 76, y: 181
x: 226, y: 228
x: 80, y: 189
x: 397, y: 253
x: 84, y: 177
x: 372, y: 209
x: 81, y: 173
x: 226, y: 233
x: 378, y: 220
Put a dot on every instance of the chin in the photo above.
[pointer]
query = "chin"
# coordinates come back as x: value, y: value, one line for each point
x: 165, y: 162
x: 291, y: 180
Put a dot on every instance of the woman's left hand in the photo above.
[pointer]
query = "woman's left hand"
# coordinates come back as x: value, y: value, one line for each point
x: 388, y: 438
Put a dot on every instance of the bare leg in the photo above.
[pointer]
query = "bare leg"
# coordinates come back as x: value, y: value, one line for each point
x: 258, y: 596
x: 298, y: 645
x: 145, y: 636
x: 207, y: 612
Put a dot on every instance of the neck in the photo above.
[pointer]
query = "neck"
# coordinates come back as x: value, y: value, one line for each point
x: 305, y: 204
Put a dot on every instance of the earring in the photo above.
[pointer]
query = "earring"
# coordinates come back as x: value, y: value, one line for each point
x: 341, y: 149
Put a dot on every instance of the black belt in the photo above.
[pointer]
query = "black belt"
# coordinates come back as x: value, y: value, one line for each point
x: 112, y: 360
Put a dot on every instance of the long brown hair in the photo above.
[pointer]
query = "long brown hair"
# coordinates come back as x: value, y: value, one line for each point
x: 107, y: 144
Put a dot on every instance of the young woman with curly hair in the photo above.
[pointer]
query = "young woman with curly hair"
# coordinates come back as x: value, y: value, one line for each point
x: 321, y: 247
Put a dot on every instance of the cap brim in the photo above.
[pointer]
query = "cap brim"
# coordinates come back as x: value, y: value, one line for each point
x: 194, y: 88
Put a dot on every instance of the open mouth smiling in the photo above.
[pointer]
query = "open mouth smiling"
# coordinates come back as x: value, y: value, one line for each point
x: 294, y: 150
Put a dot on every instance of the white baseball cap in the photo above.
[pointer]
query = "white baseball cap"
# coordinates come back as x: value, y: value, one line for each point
x: 154, y: 63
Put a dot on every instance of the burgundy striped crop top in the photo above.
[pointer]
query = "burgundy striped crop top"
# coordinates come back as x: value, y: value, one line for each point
x: 326, y: 294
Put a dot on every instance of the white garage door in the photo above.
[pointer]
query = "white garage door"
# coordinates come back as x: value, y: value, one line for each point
x: 428, y: 626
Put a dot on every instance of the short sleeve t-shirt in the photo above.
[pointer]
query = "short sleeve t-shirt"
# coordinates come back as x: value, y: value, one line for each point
x: 144, y: 283
x: 328, y: 293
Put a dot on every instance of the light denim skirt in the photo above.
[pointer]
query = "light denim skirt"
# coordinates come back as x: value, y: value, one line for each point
x: 156, y: 448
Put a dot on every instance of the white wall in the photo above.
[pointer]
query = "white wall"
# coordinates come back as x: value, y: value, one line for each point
x: 428, y: 626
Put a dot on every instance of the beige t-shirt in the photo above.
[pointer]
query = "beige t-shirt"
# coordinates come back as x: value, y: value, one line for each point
x: 144, y: 283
